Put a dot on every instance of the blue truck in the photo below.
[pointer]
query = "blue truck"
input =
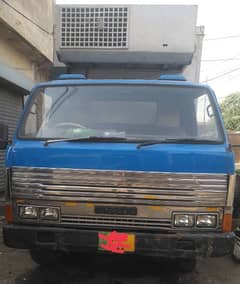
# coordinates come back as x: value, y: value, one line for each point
x: 120, y: 166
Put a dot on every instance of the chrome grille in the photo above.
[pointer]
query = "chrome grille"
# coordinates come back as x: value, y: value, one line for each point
x: 120, y: 187
x: 94, y: 27
x: 117, y: 222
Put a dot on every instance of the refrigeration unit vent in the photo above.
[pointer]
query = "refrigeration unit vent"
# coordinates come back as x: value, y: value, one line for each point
x: 85, y: 27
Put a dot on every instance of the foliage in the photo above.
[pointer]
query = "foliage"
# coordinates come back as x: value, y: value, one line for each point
x: 231, y: 111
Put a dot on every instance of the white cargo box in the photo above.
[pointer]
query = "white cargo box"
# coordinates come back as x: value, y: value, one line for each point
x: 127, y: 34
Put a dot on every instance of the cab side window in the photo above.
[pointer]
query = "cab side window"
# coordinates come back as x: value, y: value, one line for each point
x: 205, y: 119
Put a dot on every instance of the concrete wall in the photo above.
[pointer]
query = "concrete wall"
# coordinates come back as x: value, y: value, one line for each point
x: 26, y: 42
x: 13, y: 55
x: 26, y: 54
x: 33, y: 20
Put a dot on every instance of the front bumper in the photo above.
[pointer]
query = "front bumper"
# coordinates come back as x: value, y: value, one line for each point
x: 182, y: 245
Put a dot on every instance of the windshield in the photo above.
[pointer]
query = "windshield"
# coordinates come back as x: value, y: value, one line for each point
x: 129, y: 111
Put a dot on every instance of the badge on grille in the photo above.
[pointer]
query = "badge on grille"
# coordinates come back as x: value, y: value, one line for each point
x: 115, y: 210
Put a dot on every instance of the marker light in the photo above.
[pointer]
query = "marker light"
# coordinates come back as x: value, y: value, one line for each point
x: 8, y: 212
x: 227, y: 223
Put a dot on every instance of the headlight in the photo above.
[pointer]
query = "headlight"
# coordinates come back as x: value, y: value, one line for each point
x: 50, y: 214
x: 207, y: 221
x: 28, y: 212
x: 184, y: 220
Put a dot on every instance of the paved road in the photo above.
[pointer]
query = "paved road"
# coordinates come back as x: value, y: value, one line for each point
x: 17, y: 267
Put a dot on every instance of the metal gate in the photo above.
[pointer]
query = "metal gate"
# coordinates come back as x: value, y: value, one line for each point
x: 11, y: 102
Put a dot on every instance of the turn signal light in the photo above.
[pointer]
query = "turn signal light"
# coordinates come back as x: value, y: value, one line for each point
x: 227, y: 223
x: 8, y: 212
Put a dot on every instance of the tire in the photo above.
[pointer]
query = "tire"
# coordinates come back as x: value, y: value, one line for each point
x: 46, y: 257
x: 236, y: 251
x: 186, y: 265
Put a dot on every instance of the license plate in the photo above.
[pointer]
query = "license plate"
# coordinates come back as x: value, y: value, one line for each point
x: 116, y: 242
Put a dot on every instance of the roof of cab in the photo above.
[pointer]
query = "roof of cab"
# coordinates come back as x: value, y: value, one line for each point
x: 79, y: 79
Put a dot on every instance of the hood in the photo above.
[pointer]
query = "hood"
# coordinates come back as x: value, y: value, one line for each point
x: 122, y: 156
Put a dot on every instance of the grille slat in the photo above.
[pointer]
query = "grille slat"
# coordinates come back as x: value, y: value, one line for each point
x: 129, y: 179
x: 135, y: 223
x: 83, y: 189
x: 94, y: 27
x: 123, y: 187
x: 133, y: 201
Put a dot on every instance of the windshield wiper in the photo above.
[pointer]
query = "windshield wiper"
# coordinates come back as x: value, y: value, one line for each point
x: 140, y: 145
x: 178, y: 141
x: 88, y: 139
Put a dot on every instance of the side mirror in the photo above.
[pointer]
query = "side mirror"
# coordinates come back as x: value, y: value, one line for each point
x: 3, y: 136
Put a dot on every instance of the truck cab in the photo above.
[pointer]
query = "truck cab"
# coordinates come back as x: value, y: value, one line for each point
x: 119, y: 155
x: 120, y: 166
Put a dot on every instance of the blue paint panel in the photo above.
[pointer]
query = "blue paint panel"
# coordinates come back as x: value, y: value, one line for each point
x: 123, y: 156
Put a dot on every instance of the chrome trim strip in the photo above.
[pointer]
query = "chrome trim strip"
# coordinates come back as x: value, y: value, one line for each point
x: 192, y: 202
x: 230, y: 195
